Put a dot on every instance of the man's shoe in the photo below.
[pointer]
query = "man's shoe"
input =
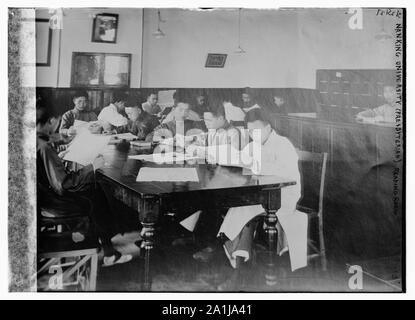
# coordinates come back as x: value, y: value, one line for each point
x: 116, y: 259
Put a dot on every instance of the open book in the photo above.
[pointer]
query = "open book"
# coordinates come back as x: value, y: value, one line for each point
x: 86, y: 147
x: 233, y: 113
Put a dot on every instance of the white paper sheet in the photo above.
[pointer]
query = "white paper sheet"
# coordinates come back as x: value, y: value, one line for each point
x: 80, y: 123
x: 237, y: 218
x: 165, y: 98
x: 86, y: 147
x: 81, y: 126
x: 233, y: 113
x: 167, y: 174
x: 168, y: 157
x: 190, y: 222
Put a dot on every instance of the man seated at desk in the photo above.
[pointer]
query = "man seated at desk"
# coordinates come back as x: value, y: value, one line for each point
x: 384, y: 113
x: 151, y: 105
x: 113, y: 116
x: 248, y: 101
x: 66, y: 192
x: 79, y: 112
x: 201, y: 104
x: 191, y: 114
x: 279, y: 158
x: 281, y: 104
x: 220, y: 133
x: 179, y: 125
x: 140, y: 123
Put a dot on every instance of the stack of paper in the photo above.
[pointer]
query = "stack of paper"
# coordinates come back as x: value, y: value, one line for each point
x: 143, y: 144
x: 182, y: 141
x: 167, y: 174
x: 125, y: 136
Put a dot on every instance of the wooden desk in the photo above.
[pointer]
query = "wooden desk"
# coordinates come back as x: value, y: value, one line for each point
x: 218, y: 187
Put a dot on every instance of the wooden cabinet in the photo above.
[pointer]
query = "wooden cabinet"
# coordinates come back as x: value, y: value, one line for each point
x: 361, y: 211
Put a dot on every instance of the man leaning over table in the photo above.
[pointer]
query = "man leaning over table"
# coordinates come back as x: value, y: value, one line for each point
x: 179, y: 125
x: 140, y: 123
x: 279, y: 158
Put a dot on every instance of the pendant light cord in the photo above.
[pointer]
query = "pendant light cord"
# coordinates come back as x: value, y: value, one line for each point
x: 239, y: 28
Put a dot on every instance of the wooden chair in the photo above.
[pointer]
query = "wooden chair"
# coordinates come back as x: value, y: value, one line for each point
x: 313, y: 173
x: 68, y: 265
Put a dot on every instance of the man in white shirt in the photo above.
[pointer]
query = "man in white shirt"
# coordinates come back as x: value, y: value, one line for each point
x: 279, y: 158
x: 113, y: 116
x: 384, y: 113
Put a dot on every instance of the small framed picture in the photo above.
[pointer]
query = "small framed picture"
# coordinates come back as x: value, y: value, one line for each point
x: 43, y: 42
x: 105, y: 28
x: 215, y: 60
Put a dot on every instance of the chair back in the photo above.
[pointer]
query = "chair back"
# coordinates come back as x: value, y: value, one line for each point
x: 312, y: 167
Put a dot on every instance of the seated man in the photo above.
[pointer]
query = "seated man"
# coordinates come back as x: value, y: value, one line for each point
x: 191, y: 115
x: 180, y: 124
x: 220, y: 132
x: 113, y: 116
x: 63, y: 191
x: 281, y: 104
x: 79, y: 112
x: 151, y: 105
x: 140, y: 123
x: 278, y: 157
x: 248, y: 100
x: 201, y: 103
x: 384, y: 113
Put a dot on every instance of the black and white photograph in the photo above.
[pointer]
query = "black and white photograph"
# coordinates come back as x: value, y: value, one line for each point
x: 105, y: 28
x: 209, y: 150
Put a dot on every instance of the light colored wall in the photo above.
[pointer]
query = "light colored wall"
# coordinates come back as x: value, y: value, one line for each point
x: 76, y: 36
x: 284, y: 48
x: 178, y: 60
x: 327, y: 42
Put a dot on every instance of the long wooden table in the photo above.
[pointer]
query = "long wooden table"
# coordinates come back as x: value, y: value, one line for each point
x: 218, y: 187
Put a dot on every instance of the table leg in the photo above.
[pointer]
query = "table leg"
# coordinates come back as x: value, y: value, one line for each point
x: 148, y: 212
x: 147, y: 233
x: 272, y: 205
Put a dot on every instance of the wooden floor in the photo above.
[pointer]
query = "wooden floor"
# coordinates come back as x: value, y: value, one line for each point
x: 176, y: 271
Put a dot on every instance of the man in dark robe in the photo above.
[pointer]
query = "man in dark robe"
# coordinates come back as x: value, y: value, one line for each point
x: 61, y: 192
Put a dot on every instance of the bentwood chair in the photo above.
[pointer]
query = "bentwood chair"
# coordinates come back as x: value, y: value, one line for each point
x: 66, y: 262
x: 313, y: 174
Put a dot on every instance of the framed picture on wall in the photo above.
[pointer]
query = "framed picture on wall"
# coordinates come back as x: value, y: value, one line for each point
x: 43, y: 42
x: 105, y: 28
x: 215, y: 60
x: 108, y: 70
